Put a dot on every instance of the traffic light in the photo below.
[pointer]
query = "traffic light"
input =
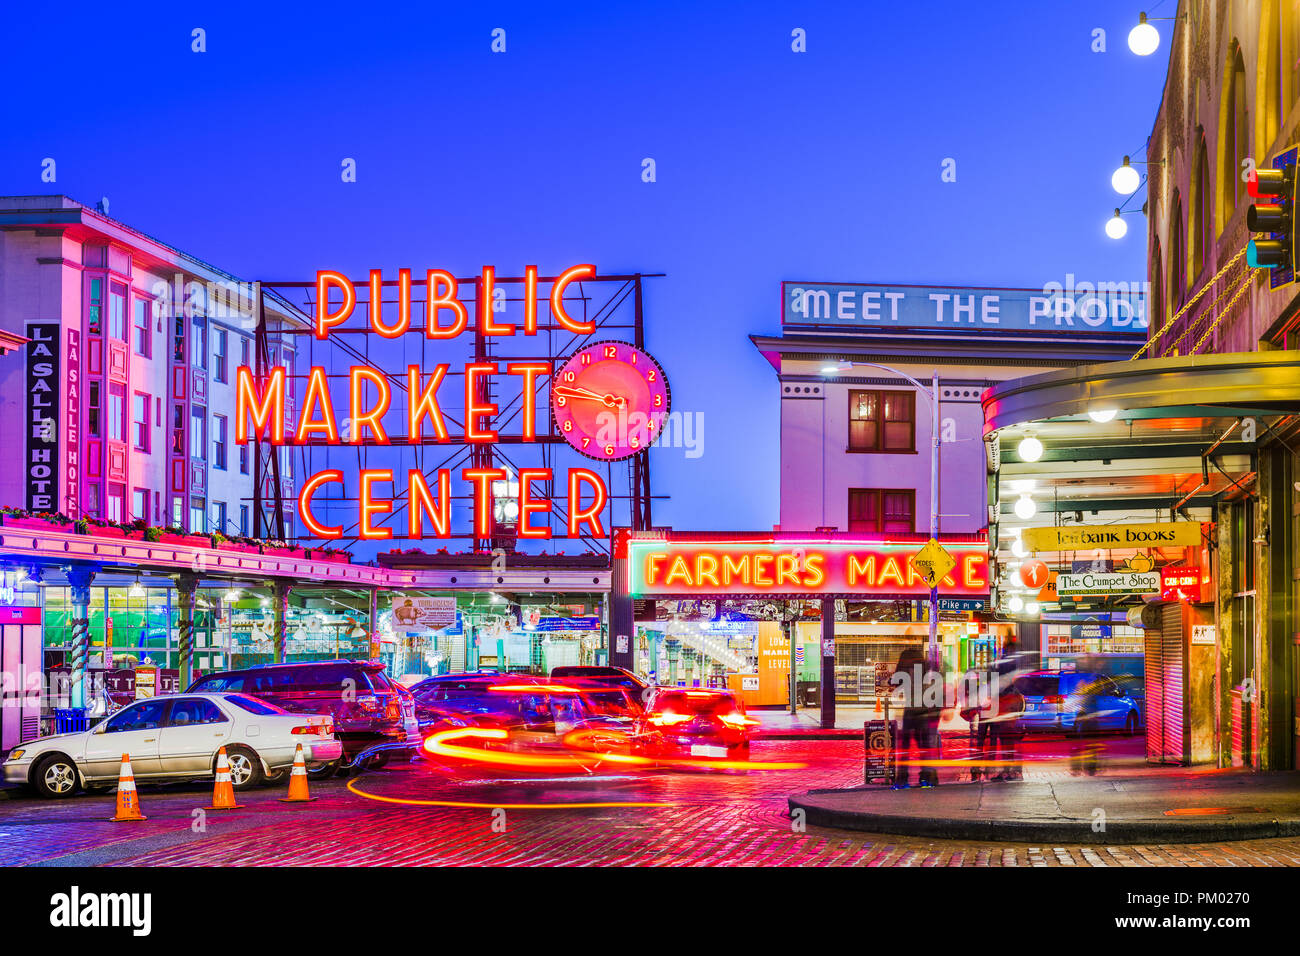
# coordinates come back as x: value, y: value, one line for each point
x: 1275, y: 216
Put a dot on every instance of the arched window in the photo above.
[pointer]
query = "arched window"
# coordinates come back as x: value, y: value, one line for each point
x: 1234, y: 140
x: 1177, y: 253
x: 1270, y: 78
x: 1156, y: 297
x: 1200, y: 227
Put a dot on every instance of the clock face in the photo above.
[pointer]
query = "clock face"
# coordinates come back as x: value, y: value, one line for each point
x: 609, y: 400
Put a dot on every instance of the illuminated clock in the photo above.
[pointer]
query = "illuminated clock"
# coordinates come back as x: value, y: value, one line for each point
x: 609, y: 400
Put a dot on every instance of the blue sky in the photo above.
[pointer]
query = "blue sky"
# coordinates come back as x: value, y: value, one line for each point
x: 771, y: 164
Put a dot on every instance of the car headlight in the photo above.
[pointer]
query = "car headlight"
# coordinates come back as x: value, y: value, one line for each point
x: 15, y: 755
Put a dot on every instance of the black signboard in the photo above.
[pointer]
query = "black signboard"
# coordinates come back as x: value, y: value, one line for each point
x: 878, y: 744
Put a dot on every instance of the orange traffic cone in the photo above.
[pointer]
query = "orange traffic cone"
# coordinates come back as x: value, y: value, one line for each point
x: 223, y: 791
x: 128, y: 800
x: 298, y: 780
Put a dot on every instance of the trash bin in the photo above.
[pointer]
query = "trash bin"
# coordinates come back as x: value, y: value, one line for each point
x: 70, y: 721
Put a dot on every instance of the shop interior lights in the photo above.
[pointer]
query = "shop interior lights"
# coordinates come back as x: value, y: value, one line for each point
x: 1029, y: 449
x: 1102, y: 415
x: 1026, y: 508
x: 136, y: 590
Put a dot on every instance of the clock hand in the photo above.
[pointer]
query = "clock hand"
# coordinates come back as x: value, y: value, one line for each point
x: 608, y: 400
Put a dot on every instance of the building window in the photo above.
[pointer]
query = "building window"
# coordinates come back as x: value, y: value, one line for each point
x: 199, y: 342
x: 246, y: 352
x: 116, y: 496
x: 221, y: 345
x: 1157, y: 298
x: 198, y: 515
x: 117, y: 311
x: 178, y: 513
x: 141, y: 421
x: 92, y: 417
x: 1200, y: 226
x: 140, y: 504
x: 882, y: 421
x: 1235, y: 141
x: 1177, y: 254
x: 219, y: 441
x: 92, y: 499
x: 243, y: 520
x: 117, y: 412
x: 243, y: 459
x: 143, y: 331
x: 95, y: 305
x: 881, y: 510
x: 219, y: 516
x: 198, y: 433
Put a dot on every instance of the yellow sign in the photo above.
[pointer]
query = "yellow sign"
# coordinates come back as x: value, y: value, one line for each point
x: 1113, y: 537
x: 933, y: 562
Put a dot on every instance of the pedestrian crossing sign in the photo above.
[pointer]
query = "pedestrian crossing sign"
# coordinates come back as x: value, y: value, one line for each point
x: 934, y: 562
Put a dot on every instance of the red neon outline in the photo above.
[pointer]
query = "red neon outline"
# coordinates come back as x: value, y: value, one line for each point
x: 325, y: 320
x: 528, y: 506
x: 590, y: 516
x: 530, y: 300
x: 270, y: 407
x: 486, y: 324
x: 473, y: 410
x: 530, y: 371
x: 373, y: 418
x: 368, y: 507
x: 304, y: 504
x: 437, y: 302
x: 482, y: 479
x: 561, y: 282
x: 421, y: 500
x: 318, y: 393
x: 426, y: 405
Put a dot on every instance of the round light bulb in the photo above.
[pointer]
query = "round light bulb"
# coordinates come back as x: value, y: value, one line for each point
x: 1125, y: 180
x: 1102, y: 415
x: 1016, y: 604
x: 1143, y: 39
x: 1031, y: 608
x: 1025, y: 507
x: 1029, y: 449
x: 1018, y: 549
x: 1116, y: 227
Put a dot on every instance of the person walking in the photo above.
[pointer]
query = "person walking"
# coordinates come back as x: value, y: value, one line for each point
x: 918, y: 680
x: 1005, y: 723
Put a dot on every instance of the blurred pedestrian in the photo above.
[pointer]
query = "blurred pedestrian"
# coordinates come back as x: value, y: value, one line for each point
x: 922, y: 690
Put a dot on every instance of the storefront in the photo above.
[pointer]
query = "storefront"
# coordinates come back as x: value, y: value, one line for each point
x: 796, y: 619
x: 1159, y: 497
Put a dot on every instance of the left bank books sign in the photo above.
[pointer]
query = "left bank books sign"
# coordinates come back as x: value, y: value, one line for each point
x: 42, y: 462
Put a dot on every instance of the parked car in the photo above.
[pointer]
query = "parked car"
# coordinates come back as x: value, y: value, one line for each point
x: 1080, y: 702
x: 368, y: 708
x: 611, y: 676
x: 695, y: 723
x: 176, y: 737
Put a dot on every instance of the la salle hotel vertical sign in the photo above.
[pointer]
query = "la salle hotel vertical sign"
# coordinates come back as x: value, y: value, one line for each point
x: 41, y: 466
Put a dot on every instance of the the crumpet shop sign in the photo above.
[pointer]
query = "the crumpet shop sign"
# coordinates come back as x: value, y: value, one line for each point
x: 1107, y: 582
x: 1169, y: 534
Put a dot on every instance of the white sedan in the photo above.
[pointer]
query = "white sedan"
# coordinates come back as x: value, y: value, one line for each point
x: 175, y: 738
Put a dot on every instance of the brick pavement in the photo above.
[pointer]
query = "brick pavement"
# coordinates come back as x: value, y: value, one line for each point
x: 714, y: 819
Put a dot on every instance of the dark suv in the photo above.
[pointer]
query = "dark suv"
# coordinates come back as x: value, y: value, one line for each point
x: 367, y: 707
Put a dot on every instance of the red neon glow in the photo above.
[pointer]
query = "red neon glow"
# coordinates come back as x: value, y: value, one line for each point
x: 403, y: 304
x: 368, y: 505
x: 530, y: 300
x: 590, y: 516
x: 426, y: 404
x: 527, y: 506
x: 469, y: 805
x: 561, y: 283
x: 327, y: 279
x: 486, y: 296
x: 528, y: 395
x: 475, y: 407
x: 265, y: 409
x: 317, y: 394
x: 482, y: 479
x: 373, y: 419
x: 533, y: 689
x: 444, y: 300
x: 304, y: 504
x: 422, y: 503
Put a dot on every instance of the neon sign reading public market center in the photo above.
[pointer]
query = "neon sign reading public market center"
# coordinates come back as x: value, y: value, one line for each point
x: 446, y: 318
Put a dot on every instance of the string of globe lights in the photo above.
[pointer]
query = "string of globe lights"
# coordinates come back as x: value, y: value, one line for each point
x: 1143, y: 40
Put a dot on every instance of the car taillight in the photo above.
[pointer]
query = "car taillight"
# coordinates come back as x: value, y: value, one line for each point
x: 738, y: 721
x: 668, y: 719
x: 1053, y: 699
x: 394, y: 711
x: 322, y: 729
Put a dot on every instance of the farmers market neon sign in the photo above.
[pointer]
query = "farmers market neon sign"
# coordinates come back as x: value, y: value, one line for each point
x: 370, y: 397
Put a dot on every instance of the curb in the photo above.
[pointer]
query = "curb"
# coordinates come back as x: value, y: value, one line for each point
x: 1074, y: 831
x: 810, y: 735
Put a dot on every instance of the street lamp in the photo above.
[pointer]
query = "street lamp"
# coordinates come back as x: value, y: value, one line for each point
x: 1125, y: 180
x: 1143, y: 39
x: 933, y: 396
x: 1116, y: 227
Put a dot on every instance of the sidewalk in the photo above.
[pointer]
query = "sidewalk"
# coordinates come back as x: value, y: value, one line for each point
x: 806, y: 725
x: 1174, y: 806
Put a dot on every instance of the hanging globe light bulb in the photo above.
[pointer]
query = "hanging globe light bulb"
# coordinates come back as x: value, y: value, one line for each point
x: 1116, y: 227
x: 1125, y: 180
x: 1143, y: 39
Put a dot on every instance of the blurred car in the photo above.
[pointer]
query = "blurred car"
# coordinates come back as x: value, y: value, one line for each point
x: 368, y: 708
x: 1080, y: 702
x: 611, y: 676
x: 696, y: 723
x: 169, y: 738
